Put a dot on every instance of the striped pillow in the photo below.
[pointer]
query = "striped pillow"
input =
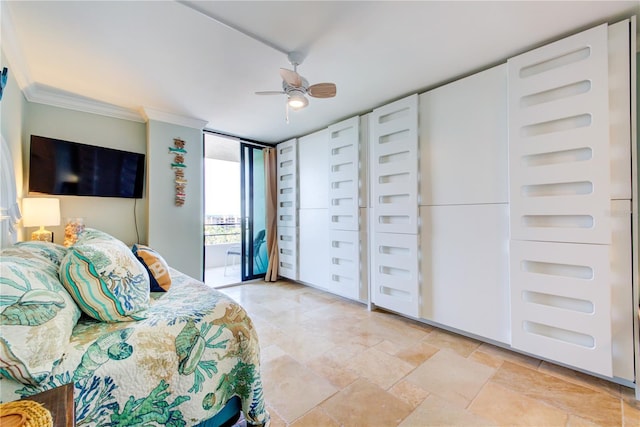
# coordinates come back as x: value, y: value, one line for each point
x: 105, y: 279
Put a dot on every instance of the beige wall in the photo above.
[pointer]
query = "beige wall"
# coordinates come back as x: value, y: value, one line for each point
x: 175, y: 231
x: 110, y: 214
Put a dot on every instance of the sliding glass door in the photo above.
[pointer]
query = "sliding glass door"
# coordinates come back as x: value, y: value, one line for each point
x: 253, y: 212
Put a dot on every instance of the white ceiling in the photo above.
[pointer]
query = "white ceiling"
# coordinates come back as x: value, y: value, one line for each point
x: 177, y: 58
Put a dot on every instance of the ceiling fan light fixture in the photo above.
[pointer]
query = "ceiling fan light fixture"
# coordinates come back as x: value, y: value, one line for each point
x: 297, y: 100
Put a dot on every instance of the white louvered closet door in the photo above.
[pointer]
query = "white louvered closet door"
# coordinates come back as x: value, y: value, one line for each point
x: 344, y: 269
x: 394, y: 169
x: 344, y: 169
x: 559, y: 141
x: 288, y: 252
x: 344, y: 209
x: 394, y: 193
x: 559, y: 172
x: 287, y: 158
x: 287, y: 176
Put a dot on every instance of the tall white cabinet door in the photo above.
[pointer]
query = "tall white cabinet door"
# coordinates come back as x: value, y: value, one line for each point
x: 559, y: 141
x: 464, y: 214
x: 344, y: 174
x: 312, y: 170
x: 560, y: 202
x: 313, y: 222
x: 313, y: 247
x: 393, y: 133
x: 465, y: 268
x: 287, y: 162
x: 345, y: 185
x: 621, y: 66
x: 287, y: 178
x: 464, y: 123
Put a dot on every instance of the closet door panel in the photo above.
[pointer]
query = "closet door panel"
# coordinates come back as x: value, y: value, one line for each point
x: 288, y: 252
x: 394, y: 166
x: 561, y: 303
x: 559, y: 165
x: 366, y: 243
x: 364, y: 161
x: 619, y: 108
x: 570, y: 169
x: 363, y: 294
x: 344, y: 259
x: 463, y: 141
x: 287, y: 159
x: 313, y: 170
x: 395, y: 273
x: 370, y: 254
x: 393, y: 131
x: 343, y: 171
x: 314, y: 255
x: 465, y: 268
x: 622, y: 312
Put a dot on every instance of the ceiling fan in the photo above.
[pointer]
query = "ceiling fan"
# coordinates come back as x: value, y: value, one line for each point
x: 296, y: 87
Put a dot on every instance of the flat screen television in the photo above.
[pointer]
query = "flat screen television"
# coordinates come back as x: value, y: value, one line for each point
x: 72, y: 169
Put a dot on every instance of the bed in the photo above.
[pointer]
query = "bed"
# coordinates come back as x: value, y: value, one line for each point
x: 190, y: 356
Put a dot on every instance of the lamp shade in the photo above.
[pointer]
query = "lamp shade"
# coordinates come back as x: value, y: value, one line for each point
x: 297, y: 100
x: 40, y: 211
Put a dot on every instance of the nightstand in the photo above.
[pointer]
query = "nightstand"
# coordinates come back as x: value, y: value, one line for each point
x: 59, y: 401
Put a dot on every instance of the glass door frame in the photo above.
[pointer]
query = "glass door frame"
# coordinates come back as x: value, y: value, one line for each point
x: 247, y: 213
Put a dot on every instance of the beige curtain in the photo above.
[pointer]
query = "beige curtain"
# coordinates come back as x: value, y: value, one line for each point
x: 270, y: 172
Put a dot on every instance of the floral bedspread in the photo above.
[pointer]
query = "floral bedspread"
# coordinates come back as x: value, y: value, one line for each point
x: 178, y: 367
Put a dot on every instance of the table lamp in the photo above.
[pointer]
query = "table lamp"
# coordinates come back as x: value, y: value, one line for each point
x: 41, y: 212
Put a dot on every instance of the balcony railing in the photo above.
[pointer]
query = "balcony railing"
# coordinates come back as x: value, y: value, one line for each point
x: 216, y: 234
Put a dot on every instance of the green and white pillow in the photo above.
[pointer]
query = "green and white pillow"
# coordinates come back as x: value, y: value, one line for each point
x: 50, y: 253
x: 92, y: 234
x: 37, y: 315
x: 105, y: 279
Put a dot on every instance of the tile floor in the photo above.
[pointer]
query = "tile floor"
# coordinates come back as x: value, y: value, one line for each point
x: 327, y: 361
x: 218, y: 276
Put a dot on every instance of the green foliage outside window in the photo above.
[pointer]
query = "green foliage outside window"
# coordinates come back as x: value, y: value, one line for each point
x: 216, y: 234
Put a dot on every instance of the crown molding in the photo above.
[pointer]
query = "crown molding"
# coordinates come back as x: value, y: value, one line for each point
x: 176, y: 119
x: 41, y: 94
x: 45, y: 95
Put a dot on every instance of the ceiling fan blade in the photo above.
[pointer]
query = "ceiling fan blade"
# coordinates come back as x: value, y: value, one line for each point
x: 322, y: 90
x: 270, y: 92
x: 291, y: 77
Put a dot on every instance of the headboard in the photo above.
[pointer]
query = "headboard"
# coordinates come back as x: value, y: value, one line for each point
x: 9, y: 209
